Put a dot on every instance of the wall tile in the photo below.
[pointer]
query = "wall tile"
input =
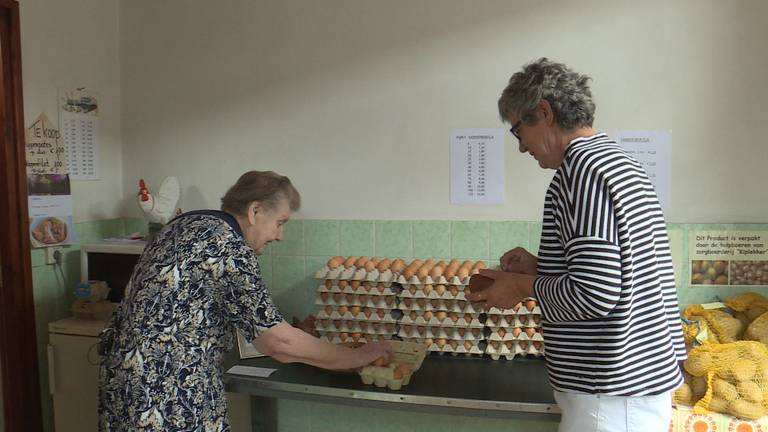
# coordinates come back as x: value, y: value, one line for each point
x: 321, y: 237
x: 469, y: 240
x: 293, y: 239
x: 356, y: 238
x: 292, y: 416
x: 325, y: 417
x: 265, y: 263
x: 90, y: 232
x: 432, y: 239
x: 135, y: 225
x: 289, y: 289
x: 393, y: 239
x: 534, y: 237
x: 507, y: 235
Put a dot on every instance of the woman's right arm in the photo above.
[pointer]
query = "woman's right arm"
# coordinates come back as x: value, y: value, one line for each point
x: 287, y: 344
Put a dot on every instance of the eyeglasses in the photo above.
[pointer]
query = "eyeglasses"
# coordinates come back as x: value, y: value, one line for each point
x: 515, y: 129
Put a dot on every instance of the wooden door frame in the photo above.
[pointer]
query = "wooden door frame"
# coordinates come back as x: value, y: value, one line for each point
x: 18, y: 346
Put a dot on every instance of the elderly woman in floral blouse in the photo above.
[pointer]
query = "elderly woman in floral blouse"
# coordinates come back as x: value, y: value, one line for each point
x: 196, y: 282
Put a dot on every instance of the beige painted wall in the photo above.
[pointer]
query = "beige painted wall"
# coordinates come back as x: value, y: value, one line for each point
x: 75, y: 43
x: 355, y: 99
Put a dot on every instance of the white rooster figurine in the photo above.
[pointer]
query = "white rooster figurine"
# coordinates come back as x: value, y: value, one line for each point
x: 161, y: 207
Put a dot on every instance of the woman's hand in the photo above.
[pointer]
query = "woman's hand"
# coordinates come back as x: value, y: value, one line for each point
x: 507, y: 290
x: 373, y: 351
x: 519, y: 260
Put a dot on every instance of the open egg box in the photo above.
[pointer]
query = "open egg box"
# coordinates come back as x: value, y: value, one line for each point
x: 510, y: 349
x: 458, y: 333
x: 514, y: 333
x: 370, y: 327
x: 355, y: 287
x: 404, y: 353
x: 424, y: 304
x: 364, y: 314
x: 442, y: 319
x: 363, y: 300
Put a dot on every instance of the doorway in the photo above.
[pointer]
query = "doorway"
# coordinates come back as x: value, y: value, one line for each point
x: 19, y: 382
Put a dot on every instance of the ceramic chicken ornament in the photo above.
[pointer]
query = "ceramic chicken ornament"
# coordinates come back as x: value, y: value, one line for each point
x: 160, y: 207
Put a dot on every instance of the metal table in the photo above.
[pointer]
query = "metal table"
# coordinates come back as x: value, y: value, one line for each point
x: 453, y: 385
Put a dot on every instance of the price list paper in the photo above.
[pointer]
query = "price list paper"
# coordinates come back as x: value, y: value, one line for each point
x: 78, y: 116
x: 477, y: 166
x: 653, y: 150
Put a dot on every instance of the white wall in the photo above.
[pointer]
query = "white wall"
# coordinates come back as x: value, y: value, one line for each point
x: 355, y: 99
x: 75, y: 43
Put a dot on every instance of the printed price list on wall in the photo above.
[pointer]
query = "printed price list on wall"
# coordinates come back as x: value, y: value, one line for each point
x: 78, y: 117
x: 477, y: 166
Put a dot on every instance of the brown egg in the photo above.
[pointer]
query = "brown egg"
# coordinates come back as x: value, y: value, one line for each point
x: 367, y: 312
x: 342, y: 310
x: 381, y: 338
x: 335, y: 262
x: 530, y: 304
x: 350, y: 298
x: 328, y: 309
x: 495, y: 344
x: 462, y: 304
x: 349, y: 262
x: 369, y: 266
x: 422, y: 273
x: 363, y: 325
x: 441, y: 343
x: 516, y: 331
x: 461, y: 331
x: 366, y: 286
x: 397, y: 265
x: 389, y: 327
x: 509, y: 344
x: 428, y: 342
x: 412, y: 289
x: 454, y: 290
x: 375, y: 326
x: 380, y: 287
x: 502, y: 332
x: 454, y: 316
x: 324, y: 297
x: 454, y: 344
x: 435, y: 303
x: 468, y: 318
x: 413, y: 315
x: 360, y: 262
x: 537, y: 319
x: 355, y: 284
x: 381, y: 313
x: 337, y: 323
x: 354, y: 310
x: 363, y: 298
x: 325, y: 322
x: 524, y: 345
x: 538, y: 345
x: 407, y: 302
x: 356, y: 336
x: 343, y: 336
x: 440, y: 289
x: 476, y: 332
x: 375, y: 260
x: 369, y: 338
x: 439, y: 315
x: 380, y: 362
x: 426, y: 289
x: 530, y: 331
x: 467, y: 345
x: 328, y: 283
x: 436, y: 271
x: 397, y: 374
x: 388, y: 300
x: 343, y: 284
x: 421, y: 330
x: 337, y: 297
x: 383, y: 265
x: 404, y: 369
x: 449, y: 273
x: 517, y: 307
x: 428, y: 315
x: 462, y: 273
x: 422, y: 303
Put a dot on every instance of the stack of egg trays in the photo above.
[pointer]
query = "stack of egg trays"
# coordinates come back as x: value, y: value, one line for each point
x: 436, y: 313
x: 355, y: 305
x: 513, y: 332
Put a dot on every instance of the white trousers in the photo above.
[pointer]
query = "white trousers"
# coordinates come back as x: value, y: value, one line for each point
x: 600, y: 413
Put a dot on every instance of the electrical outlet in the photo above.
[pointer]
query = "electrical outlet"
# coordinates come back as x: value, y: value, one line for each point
x: 50, y: 254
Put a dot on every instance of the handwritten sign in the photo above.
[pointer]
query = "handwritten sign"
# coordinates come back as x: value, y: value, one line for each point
x: 45, y: 149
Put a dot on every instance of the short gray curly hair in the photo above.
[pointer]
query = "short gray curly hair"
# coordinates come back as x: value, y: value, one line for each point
x: 566, y: 91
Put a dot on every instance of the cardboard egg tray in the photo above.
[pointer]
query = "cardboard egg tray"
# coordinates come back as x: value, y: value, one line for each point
x: 408, y: 353
x: 452, y: 346
x: 428, y: 280
x: 502, y: 321
x: 365, y: 314
x: 342, y: 337
x: 345, y: 287
x: 407, y: 304
x: 446, y: 293
x: 356, y: 274
x: 510, y: 349
x: 515, y: 333
x: 436, y: 319
x: 368, y: 327
x: 519, y: 310
x: 361, y: 300
x: 457, y: 333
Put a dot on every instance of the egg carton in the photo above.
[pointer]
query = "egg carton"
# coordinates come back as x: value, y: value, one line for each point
x: 407, y: 359
x: 516, y: 333
x: 517, y: 310
x: 441, y: 333
x: 361, y: 288
x: 424, y: 304
x: 510, y: 349
x: 413, y: 292
x: 456, y: 347
x: 337, y: 338
x: 368, y: 327
x: 437, y: 319
x: 361, y: 300
x: 428, y: 280
x: 356, y: 274
x: 503, y: 321
x: 343, y: 312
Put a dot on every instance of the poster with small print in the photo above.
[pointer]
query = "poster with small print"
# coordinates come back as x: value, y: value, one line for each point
x: 79, y: 120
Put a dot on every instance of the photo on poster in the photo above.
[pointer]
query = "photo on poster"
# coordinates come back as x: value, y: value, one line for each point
x: 48, y: 184
x: 51, y: 231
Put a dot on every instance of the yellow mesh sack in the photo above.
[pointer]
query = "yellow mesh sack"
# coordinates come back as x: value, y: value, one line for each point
x: 724, y: 327
x: 737, y: 378
x: 744, y: 302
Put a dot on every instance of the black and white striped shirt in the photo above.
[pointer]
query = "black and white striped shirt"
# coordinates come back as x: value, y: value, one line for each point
x: 606, y: 286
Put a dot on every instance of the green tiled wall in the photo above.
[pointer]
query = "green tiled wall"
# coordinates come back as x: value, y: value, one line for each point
x: 288, y: 267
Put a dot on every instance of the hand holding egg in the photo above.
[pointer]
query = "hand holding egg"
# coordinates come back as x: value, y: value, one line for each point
x: 505, y: 290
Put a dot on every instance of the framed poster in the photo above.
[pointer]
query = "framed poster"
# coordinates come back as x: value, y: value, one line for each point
x: 246, y: 348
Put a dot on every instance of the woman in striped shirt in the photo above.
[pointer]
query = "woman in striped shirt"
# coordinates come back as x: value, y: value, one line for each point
x: 603, y: 276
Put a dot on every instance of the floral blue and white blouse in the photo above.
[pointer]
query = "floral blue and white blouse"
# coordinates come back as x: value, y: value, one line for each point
x: 196, y: 282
